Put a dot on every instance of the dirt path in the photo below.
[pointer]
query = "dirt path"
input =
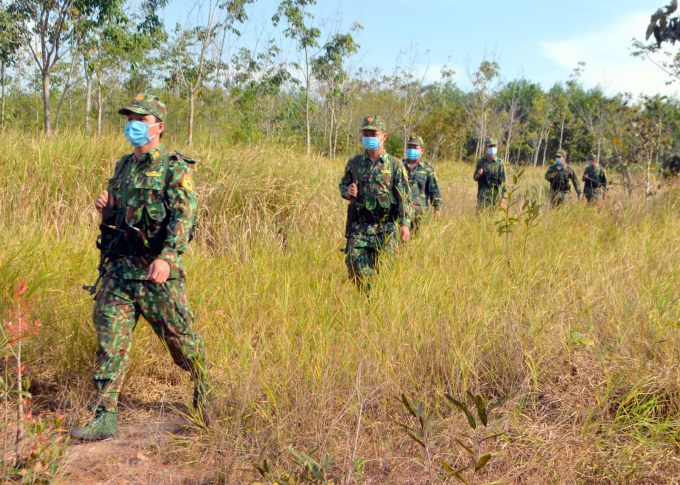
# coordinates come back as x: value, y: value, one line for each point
x: 135, y: 457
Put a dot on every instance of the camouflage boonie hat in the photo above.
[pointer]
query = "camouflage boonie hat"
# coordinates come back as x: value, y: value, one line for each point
x: 561, y: 153
x: 373, y: 122
x: 490, y: 141
x: 415, y: 140
x: 146, y: 104
x: 592, y: 157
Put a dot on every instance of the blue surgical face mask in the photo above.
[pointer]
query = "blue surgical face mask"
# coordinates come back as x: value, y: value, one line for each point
x: 590, y: 164
x: 492, y: 151
x: 413, y: 154
x: 138, y: 133
x: 558, y: 161
x: 371, y: 143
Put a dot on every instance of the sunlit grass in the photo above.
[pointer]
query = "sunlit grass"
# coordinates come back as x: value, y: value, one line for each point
x: 296, y: 351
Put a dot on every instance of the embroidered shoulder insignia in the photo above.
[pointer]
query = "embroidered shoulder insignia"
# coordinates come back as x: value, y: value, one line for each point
x: 187, y: 182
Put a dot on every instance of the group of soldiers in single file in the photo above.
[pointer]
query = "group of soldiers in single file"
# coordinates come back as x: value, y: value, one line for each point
x: 148, y: 219
x: 490, y: 177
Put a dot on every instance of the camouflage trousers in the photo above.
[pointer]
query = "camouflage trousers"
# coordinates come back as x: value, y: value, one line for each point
x: 119, y: 304
x: 487, y: 198
x: 364, y: 249
x: 559, y: 198
x: 594, y: 196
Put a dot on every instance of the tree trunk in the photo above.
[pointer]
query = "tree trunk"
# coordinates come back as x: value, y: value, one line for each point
x: 2, y: 80
x: 330, y: 131
x: 192, y: 95
x: 308, y: 82
x: 100, y: 105
x: 46, y: 102
x: 88, y: 102
x: 67, y: 87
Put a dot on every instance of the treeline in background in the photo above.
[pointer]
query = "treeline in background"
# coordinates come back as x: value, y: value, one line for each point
x: 298, y: 78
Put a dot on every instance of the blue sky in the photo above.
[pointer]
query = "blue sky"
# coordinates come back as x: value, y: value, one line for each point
x: 541, y: 40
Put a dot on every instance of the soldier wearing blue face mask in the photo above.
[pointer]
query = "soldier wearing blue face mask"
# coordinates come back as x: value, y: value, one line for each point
x: 559, y: 175
x: 490, y: 177
x: 376, y: 185
x: 426, y: 198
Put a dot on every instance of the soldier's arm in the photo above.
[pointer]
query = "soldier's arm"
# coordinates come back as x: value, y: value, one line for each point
x: 550, y: 175
x: 433, y: 192
x: 575, y: 181
x: 475, y: 175
x: 403, y: 195
x: 504, y: 185
x: 604, y: 179
x: 346, y: 180
x: 182, y: 205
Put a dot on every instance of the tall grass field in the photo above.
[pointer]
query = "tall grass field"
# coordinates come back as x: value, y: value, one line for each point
x: 582, y: 322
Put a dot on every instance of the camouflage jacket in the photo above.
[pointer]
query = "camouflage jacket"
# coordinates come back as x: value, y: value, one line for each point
x: 594, y: 178
x: 424, y: 187
x: 144, y: 193
x: 559, y: 179
x: 383, y: 191
x: 493, y: 177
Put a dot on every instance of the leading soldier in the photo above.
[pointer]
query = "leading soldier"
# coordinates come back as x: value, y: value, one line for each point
x: 148, y: 213
x: 594, y: 181
x: 490, y: 177
x: 559, y: 174
x: 377, y: 184
x: 422, y: 181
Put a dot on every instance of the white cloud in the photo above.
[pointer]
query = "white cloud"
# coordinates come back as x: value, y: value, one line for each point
x: 608, y: 61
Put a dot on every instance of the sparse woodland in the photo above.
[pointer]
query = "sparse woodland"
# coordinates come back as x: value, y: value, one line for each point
x: 562, y: 325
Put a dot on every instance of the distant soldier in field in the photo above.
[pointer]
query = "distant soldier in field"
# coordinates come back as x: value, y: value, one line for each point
x: 422, y: 181
x: 376, y: 184
x: 559, y: 174
x: 594, y: 181
x: 148, y: 213
x: 490, y: 177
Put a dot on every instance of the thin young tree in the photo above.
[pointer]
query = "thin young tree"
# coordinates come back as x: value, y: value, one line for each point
x: 301, y: 30
x: 47, y: 28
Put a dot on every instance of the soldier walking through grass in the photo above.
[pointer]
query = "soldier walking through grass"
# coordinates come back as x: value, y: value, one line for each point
x: 559, y: 175
x: 377, y: 184
x: 490, y: 177
x: 422, y: 179
x: 148, y: 213
x: 594, y: 182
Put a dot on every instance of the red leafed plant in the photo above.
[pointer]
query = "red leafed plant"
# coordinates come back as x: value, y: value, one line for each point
x: 35, y: 435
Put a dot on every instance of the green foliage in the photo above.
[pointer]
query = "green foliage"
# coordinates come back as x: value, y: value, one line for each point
x: 309, y: 470
x: 481, y: 431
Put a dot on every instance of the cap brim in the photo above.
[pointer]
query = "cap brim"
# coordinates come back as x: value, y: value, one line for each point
x: 133, y: 109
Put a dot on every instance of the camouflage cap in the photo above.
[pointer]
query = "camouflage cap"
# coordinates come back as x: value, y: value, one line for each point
x: 415, y: 140
x: 490, y: 141
x: 561, y: 153
x: 592, y: 157
x: 146, y: 104
x: 373, y: 122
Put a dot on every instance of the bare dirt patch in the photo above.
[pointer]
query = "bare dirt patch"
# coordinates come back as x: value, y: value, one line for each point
x: 137, y: 456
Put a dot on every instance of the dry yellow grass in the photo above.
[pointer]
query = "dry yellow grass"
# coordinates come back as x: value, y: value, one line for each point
x: 302, y: 359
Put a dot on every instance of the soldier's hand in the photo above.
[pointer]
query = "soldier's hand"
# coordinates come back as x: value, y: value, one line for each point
x: 437, y: 215
x: 502, y: 203
x: 158, y: 271
x: 352, y: 190
x: 101, y: 202
x: 479, y: 172
x: 405, y: 233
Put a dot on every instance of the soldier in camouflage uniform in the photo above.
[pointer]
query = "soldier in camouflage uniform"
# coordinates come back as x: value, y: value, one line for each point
x: 422, y: 182
x: 379, y: 185
x: 559, y: 174
x: 594, y: 181
x: 148, y: 214
x: 490, y: 177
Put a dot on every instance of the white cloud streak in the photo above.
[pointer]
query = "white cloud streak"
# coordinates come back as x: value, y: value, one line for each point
x: 608, y: 60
